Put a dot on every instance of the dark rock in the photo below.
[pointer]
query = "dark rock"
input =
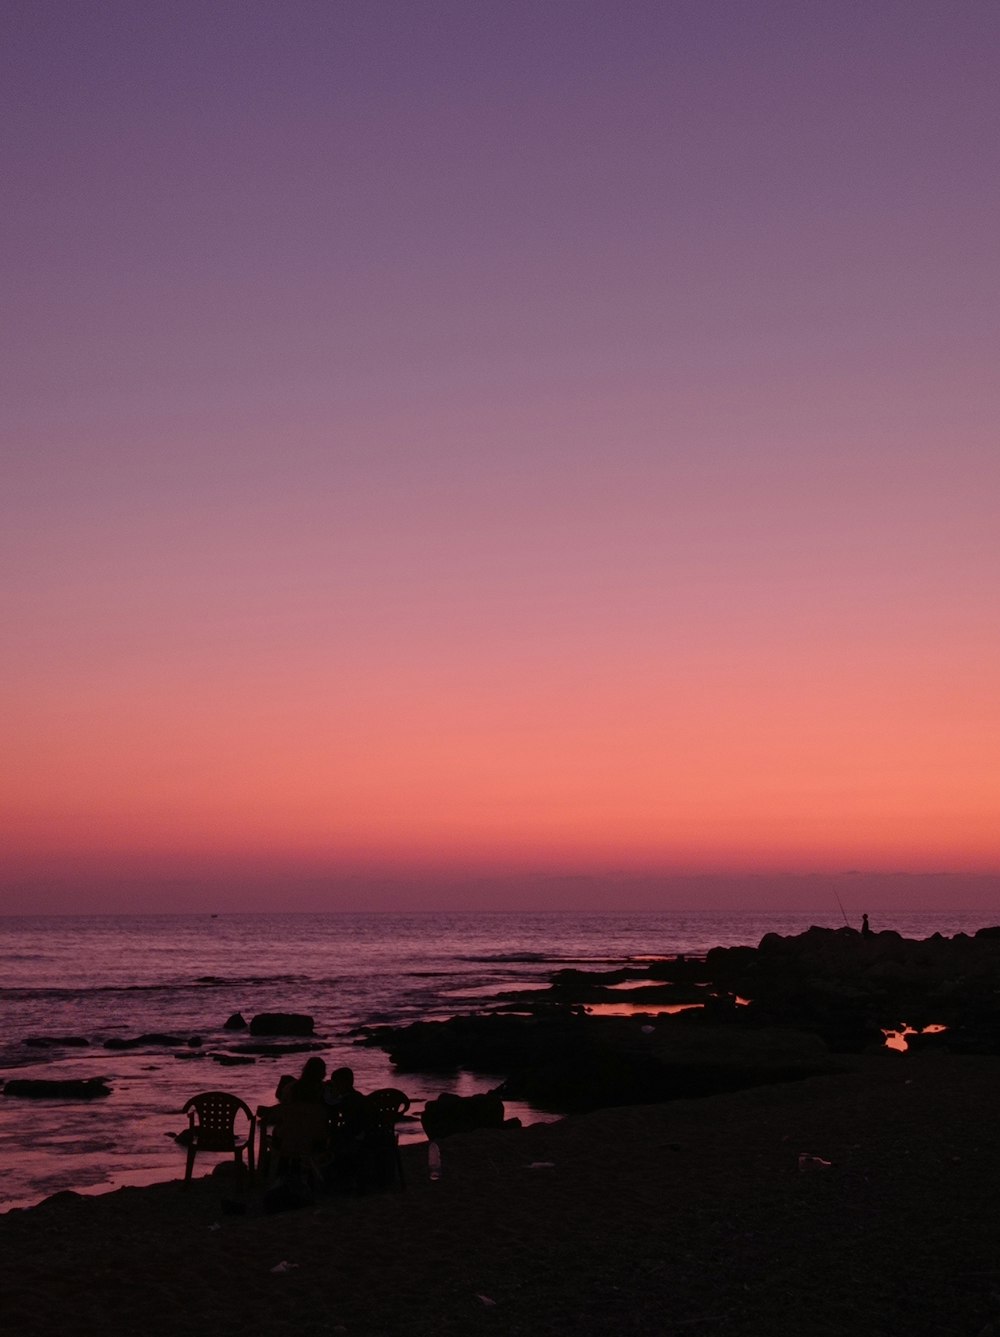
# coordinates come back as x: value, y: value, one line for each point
x: 981, y: 1038
x: 81, y: 1088
x: 57, y: 1041
x: 575, y: 982
x: 237, y: 1022
x: 578, y: 986
x: 678, y: 969
x: 232, y: 1060
x: 295, y: 1047
x: 494, y: 1043
x: 674, y: 980
x: 66, y: 1197
x: 573, y: 1063
x: 461, y: 1114
x: 680, y: 995
x: 730, y: 963
x: 775, y: 1012
x: 716, y: 1009
x: 625, y: 1064
x: 281, y: 1023
x: 939, y: 1041
x: 848, y: 987
x: 146, y: 1041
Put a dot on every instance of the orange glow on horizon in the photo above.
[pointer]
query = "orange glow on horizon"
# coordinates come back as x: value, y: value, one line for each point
x: 604, y: 766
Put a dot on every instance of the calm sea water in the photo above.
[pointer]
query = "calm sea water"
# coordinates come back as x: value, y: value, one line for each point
x: 104, y: 976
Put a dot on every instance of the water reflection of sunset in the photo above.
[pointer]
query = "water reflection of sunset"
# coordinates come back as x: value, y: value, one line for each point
x: 898, y: 1039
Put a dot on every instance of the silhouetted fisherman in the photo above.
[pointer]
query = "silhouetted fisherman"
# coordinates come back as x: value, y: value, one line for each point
x: 866, y: 931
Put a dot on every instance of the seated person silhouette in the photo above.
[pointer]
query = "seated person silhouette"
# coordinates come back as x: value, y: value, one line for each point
x: 306, y: 1089
x: 866, y: 931
x: 352, y: 1126
x: 268, y: 1114
x: 309, y: 1089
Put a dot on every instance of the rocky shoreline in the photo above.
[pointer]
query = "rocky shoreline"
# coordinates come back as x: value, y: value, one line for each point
x: 790, y: 1008
x: 787, y: 1009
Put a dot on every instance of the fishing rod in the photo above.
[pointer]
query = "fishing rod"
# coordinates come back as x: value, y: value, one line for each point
x: 842, y: 910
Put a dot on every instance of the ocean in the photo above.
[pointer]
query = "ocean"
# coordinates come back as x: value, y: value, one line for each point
x: 101, y: 977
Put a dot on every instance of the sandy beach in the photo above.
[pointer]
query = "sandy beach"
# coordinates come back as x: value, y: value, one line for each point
x: 686, y: 1217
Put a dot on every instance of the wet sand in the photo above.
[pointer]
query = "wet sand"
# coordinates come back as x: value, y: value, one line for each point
x: 691, y: 1217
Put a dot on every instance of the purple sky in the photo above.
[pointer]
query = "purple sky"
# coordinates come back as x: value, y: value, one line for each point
x: 499, y: 436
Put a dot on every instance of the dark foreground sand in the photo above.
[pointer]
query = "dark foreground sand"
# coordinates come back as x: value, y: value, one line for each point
x: 686, y: 1218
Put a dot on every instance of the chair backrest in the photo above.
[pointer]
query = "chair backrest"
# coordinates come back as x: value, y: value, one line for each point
x: 212, y: 1117
x: 389, y: 1104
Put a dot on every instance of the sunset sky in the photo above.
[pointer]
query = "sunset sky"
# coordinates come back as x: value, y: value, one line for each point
x: 530, y: 444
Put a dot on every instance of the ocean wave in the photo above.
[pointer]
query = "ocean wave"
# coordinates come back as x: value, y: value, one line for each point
x: 499, y: 957
x: 541, y: 958
x: 203, y: 984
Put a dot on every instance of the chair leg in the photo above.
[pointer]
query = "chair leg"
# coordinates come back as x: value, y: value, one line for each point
x: 192, y: 1149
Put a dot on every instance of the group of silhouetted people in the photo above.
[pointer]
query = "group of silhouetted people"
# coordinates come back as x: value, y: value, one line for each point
x: 344, y: 1149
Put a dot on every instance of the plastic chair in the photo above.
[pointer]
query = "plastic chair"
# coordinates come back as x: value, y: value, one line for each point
x: 212, y: 1119
x: 389, y: 1104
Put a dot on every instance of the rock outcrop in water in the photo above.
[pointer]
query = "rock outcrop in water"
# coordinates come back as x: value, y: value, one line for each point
x: 462, y: 1114
x: 82, y: 1088
x: 281, y: 1023
x: 850, y: 989
x: 575, y: 1062
x: 56, y: 1041
x: 779, y: 1011
x: 157, y: 1039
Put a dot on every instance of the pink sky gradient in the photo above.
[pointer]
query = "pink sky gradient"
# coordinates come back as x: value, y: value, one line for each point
x: 504, y: 444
